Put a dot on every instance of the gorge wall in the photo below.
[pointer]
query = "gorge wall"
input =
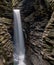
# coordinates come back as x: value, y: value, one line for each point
x: 38, y: 27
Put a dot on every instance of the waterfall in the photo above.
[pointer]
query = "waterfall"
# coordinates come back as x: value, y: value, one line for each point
x: 19, y: 49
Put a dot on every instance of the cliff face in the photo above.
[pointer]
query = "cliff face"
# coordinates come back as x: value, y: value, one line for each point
x: 35, y: 16
x: 38, y: 28
x: 48, y: 41
x: 6, y: 44
x: 5, y: 8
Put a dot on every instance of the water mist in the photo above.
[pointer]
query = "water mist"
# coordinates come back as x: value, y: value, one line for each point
x: 19, y: 49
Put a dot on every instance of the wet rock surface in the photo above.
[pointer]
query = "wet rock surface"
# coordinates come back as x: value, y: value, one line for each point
x: 35, y: 16
x: 38, y: 28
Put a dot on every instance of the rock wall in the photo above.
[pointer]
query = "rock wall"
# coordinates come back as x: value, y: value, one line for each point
x: 35, y: 16
x: 6, y: 43
x: 37, y: 21
x: 48, y: 41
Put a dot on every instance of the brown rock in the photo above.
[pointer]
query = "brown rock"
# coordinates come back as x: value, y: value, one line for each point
x: 48, y: 39
x: 6, y: 45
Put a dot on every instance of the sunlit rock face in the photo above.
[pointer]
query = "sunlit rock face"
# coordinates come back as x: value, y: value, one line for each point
x: 6, y: 46
x: 6, y: 43
x: 9, y: 23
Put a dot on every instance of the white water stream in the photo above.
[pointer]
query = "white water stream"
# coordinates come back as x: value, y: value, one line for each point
x: 19, y: 51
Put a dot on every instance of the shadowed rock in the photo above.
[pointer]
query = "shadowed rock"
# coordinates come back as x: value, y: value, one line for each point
x: 48, y: 41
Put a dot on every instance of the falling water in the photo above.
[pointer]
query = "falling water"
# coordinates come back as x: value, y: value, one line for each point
x: 19, y: 52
